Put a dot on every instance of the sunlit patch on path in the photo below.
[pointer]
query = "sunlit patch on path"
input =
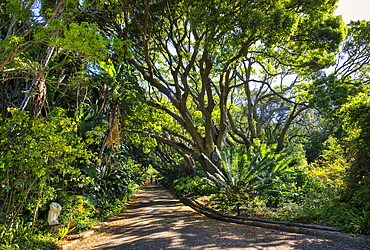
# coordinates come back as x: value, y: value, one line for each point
x: 158, y: 221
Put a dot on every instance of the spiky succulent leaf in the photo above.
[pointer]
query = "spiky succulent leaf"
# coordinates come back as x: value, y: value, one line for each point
x: 248, y: 171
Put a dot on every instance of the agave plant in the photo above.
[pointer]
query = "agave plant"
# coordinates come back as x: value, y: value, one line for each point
x: 249, y: 171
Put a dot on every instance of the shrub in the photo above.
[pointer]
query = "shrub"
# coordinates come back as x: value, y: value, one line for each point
x: 361, y: 221
x: 78, y: 209
x: 360, y: 199
x: 31, y: 151
x: 332, y: 165
x: 294, y: 187
x: 324, y: 208
x: 116, y: 207
x: 107, y: 187
x: 192, y: 185
x: 249, y: 171
x: 19, y: 236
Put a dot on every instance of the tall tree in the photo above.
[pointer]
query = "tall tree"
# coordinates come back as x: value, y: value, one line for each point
x: 40, y: 41
x: 194, y: 53
x: 342, y: 98
x: 329, y: 91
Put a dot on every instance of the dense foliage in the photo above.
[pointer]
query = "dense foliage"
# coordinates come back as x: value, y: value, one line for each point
x: 260, y: 103
x: 247, y: 172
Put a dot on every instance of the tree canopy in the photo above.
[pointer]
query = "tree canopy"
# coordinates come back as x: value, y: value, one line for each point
x: 192, y: 64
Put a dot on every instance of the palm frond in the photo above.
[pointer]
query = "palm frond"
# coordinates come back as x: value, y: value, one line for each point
x: 249, y: 170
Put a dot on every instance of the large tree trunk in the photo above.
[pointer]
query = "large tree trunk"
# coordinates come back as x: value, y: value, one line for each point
x: 112, y: 120
x: 293, y: 115
x: 251, y: 127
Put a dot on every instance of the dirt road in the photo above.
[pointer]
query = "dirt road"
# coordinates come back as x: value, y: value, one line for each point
x: 156, y: 220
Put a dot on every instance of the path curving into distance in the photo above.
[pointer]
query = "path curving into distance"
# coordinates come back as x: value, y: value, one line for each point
x: 156, y: 220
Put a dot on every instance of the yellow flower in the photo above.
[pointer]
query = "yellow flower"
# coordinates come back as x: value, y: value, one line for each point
x: 80, y: 207
x: 62, y: 122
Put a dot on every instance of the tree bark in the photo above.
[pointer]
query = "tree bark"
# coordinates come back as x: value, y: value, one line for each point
x: 111, y: 124
x: 249, y: 102
x: 293, y: 115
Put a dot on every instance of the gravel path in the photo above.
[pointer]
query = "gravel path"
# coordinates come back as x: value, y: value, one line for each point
x: 156, y: 220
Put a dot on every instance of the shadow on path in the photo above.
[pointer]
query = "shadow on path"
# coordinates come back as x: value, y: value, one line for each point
x: 158, y: 221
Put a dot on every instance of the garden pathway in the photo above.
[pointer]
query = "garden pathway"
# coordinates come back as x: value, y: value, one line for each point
x: 156, y: 220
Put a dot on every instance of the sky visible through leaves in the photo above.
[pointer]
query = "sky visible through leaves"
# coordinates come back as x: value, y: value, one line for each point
x: 353, y: 10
